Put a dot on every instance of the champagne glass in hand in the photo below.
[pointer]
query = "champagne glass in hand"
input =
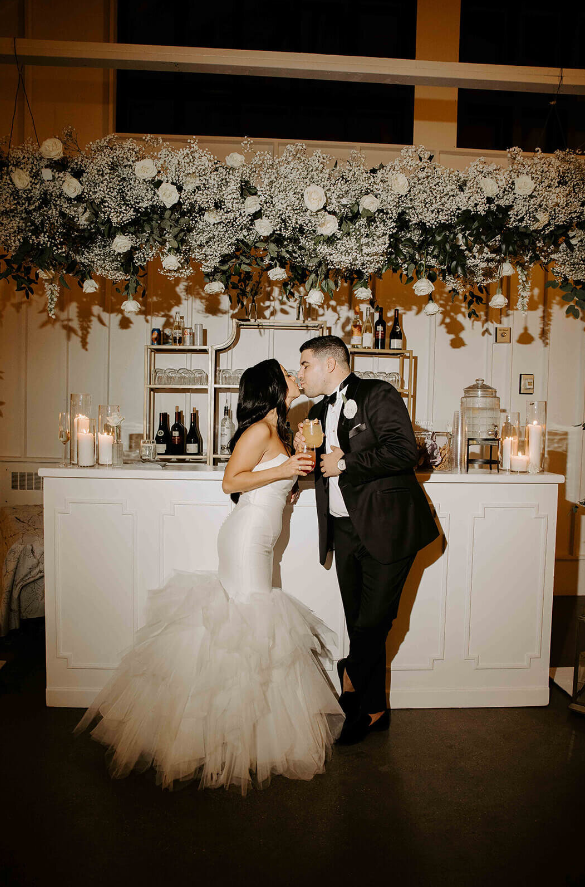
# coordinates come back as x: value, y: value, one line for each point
x: 64, y: 435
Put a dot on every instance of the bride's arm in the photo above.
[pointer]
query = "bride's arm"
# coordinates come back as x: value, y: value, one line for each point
x: 249, y: 450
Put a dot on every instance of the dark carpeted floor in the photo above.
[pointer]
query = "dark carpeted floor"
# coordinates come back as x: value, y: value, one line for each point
x: 453, y: 797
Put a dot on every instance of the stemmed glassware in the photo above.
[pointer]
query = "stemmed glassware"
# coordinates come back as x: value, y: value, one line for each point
x: 64, y: 435
x: 313, y: 434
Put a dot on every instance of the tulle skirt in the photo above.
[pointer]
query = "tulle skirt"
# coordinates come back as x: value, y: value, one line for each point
x: 229, y: 692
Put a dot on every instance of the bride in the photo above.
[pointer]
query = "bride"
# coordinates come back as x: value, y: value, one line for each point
x: 223, y: 682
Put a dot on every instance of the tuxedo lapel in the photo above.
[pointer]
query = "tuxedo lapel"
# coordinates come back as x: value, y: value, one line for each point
x: 344, y: 424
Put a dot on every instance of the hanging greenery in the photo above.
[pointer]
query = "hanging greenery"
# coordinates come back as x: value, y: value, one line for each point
x: 305, y: 219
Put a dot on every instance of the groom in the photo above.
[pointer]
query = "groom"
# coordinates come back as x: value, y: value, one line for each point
x: 371, y: 510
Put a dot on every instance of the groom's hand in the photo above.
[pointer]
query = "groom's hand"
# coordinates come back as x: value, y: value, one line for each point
x: 329, y: 463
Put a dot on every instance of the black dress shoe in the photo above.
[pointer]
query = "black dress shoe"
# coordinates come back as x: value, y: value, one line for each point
x: 356, y: 729
x: 349, y: 702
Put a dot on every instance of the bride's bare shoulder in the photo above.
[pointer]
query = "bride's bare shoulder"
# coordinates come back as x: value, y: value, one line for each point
x: 256, y: 434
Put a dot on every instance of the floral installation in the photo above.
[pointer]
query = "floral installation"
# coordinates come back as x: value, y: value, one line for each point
x: 305, y: 221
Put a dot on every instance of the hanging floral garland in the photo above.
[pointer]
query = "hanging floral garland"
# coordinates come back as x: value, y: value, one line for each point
x: 306, y: 220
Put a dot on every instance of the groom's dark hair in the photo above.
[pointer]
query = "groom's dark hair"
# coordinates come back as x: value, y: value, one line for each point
x: 328, y: 346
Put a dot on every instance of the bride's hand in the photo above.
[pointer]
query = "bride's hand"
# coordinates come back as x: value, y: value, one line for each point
x: 300, y: 463
x: 299, y: 441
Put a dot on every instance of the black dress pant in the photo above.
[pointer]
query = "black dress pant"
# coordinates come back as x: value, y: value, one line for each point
x: 370, y: 592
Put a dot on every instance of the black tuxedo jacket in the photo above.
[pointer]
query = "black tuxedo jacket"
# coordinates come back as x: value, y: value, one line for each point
x: 385, y: 502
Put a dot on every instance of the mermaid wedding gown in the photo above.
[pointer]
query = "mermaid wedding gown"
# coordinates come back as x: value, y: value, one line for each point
x: 224, y: 682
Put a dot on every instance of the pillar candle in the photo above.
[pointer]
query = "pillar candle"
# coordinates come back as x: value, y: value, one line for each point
x: 506, y: 453
x: 105, y: 447
x: 519, y: 462
x: 82, y: 424
x: 535, y: 443
x: 85, y: 449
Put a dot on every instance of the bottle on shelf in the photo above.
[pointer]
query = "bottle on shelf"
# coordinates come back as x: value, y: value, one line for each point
x: 356, y: 330
x: 194, y: 445
x: 227, y: 429
x: 368, y: 330
x: 182, y: 322
x: 163, y: 435
x: 380, y: 331
x: 177, y: 330
x: 396, y: 338
x: 178, y: 435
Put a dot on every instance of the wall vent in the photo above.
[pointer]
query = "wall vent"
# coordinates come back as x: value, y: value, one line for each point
x: 26, y: 480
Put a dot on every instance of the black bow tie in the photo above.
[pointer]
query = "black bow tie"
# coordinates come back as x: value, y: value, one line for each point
x: 330, y: 399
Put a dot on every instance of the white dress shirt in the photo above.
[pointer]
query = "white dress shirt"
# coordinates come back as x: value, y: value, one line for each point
x: 337, y: 507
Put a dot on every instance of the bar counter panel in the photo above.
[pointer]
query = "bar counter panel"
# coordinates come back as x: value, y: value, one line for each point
x: 475, y: 616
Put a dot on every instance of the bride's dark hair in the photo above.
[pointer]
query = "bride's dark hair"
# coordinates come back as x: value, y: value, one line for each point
x: 262, y: 388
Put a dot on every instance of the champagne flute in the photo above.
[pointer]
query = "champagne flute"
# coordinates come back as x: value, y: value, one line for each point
x: 313, y: 434
x: 64, y: 435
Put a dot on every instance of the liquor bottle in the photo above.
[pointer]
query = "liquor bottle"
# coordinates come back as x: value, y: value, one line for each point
x: 356, y: 331
x: 163, y: 435
x: 194, y: 439
x: 368, y: 330
x: 380, y: 331
x: 182, y: 322
x: 227, y: 429
x: 177, y: 330
x: 396, y: 338
x: 178, y: 435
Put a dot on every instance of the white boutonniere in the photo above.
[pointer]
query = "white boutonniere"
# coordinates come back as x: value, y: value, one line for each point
x: 349, y: 407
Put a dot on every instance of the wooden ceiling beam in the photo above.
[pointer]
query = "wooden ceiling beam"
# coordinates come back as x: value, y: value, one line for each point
x: 311, y: 66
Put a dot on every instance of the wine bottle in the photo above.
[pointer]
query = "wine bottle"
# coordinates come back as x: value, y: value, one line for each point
x: 227, y: 429
x: 368, y: 331
x: 178, y: 435
x: 163, y: 435
x: 194, y: 439
x: 182, y: 322
x: 356, y: 331
x: 177, y: 330
x: 396, y: 338
x: 380, y: 331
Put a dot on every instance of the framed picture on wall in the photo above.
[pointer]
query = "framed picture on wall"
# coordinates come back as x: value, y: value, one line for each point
x: 526, y: 383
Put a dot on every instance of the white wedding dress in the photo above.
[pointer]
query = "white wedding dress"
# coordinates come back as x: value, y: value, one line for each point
x: 224, y: 682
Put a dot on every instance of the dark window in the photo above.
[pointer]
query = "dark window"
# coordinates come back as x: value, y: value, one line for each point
x: 535, y: 33
x: 499, y: 120
x: 261, y: 107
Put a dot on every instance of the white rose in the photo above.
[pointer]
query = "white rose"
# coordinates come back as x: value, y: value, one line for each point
x: 488, y: 186
x: 235, y: 160
x: 213, y: 288
x: 431, y: 308
x: 121, y: 243
x: 263, y: 227
x: 349, y: 408
x: 314, y: 197
x: 542, y: 219
x: 47, y: 174
x: 52, y: 149
x: 20, y: 178
x: 72, y: 187
x: 212, y: 216
x: 498, y: 301
x: 507, y: 269
x: 46, y: 275
x: 190, y: 181
x: 170, y: 263
x: 315, y: 297
x: 399, y: 183
x: 130, y: 306
x: 370, y: 202
x: 90, y: 286
x: 145, y: 169
x: 251, y: 205
x: 524, y: 186
x: 423, y: 287
x: 327, y: 224
x: 168, y: 194
x: 277, y: 274
x: 363, y: 293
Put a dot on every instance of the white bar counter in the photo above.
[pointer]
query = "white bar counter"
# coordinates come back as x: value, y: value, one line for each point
x: 475, y: 616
